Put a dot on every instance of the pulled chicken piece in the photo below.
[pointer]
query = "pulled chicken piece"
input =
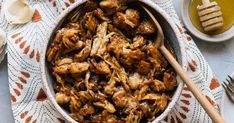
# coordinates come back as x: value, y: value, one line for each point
x: 129, y: 57
x: 161, y: 104
x: 146, y: 28
x: 112, y: 6
x: 70, y: 37
x: 112, y: 28
x: 116, y: 45
x: 87, y: 109
x: 101, y: 33
x: 63, y: 61
x: 77, y: 46
x: 62, y: 98
x: 73, y: 68
x: 128, y: 20
x: 63, y: 69
x: 101, y: 68
x: 135, y: 80
x: 156, y: 85
x: 100, y: 14
x: 169, y: 80
x: 120, y: 98
x: 110, y: 87
x: 125, y: 100
x: 105, y: 117
x: 84, y: 53
x: 59, y: 79
x: 157, y: 58
x: 102, y: 49
x: 75, y: 104
x: 78, y: 68
x: 151, y: 96
x: 138, y: 42
x: 55, y: 48
x: 135, y: 116
x: 133, y: 15
x: 106, y: 105
x: 143, y: 67
x: 91, y: 23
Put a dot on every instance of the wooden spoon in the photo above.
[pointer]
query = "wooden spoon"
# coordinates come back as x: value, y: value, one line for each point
x: 210, y: 15
x: 211, y: 111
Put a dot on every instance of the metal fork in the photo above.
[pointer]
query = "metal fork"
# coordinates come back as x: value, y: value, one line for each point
x: 229, y: 87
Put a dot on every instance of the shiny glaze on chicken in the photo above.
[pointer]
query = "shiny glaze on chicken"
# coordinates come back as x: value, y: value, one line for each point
x: 107, y: 67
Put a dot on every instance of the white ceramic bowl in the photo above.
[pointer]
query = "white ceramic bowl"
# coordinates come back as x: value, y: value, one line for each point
x: 171, y: 32
x: 189, y: 25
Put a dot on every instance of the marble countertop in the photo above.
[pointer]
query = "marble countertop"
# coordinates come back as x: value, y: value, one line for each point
x: 220, y: 56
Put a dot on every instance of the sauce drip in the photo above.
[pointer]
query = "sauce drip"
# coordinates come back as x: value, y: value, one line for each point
x: 227, y: 8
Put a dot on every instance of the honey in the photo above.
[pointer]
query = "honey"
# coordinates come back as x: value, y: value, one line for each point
x: 227, y: 8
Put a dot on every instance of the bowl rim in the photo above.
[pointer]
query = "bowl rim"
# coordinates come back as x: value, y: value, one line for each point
x: 155, y: 8
x: 228, y: 34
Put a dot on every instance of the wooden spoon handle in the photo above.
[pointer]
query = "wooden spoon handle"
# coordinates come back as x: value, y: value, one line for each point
x: 211, y: 111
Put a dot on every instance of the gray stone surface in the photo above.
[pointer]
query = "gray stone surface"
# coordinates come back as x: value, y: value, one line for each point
x: 5, y: 104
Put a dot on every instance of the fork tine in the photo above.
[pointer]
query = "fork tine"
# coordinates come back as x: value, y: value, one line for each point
x: 231, y: 85
x: 229, y: 94
x: 225, y: 87
x: 225, y: 84
x: 229, y: 88
x: 229, y: 81
x: 231, y: 78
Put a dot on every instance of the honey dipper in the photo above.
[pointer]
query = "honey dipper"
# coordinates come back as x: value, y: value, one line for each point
x: 210, y: 15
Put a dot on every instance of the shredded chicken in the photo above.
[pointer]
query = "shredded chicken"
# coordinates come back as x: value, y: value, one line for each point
x: 54, y: 49
x: 62, y: 98
x: 135, y: 80
x: 63, y: 61
x: 106, y: 105
x: 127, y: 20
x: 143, y: 67
x: 63, y: 69
x: 78, y: 68
x: 116, y: 45
x: 105, y: 116
x: 101, y: 68
x: 112, y: 6
x: 134, y: 117
x: 100, y: 14
x: 91, y: 22
x: 112, y: 28
x: 101, y: 33
x: 146, y: 28
x: 106, y: 66
x: 120, y: 98
x: 110, y: 87
x: 70, y: 37
x: 138, y: 42
x: 169, y: 80
x: 84, y: 53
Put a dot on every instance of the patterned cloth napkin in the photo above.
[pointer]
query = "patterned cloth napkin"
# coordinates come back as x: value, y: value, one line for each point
x: 29, y: 102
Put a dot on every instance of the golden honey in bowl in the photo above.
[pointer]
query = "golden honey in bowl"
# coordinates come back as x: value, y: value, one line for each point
x: 227, y: 7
